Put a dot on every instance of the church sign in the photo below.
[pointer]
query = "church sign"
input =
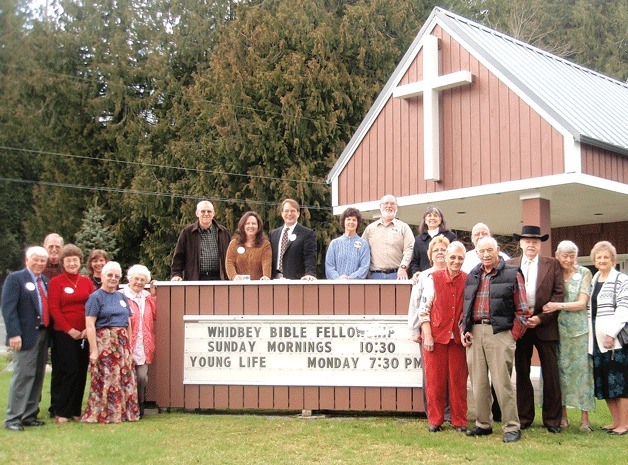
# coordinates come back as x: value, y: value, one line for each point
x: 300, y: 351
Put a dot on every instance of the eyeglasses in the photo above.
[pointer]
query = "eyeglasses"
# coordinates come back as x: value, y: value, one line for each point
x: 114, y: 276
x: 206, y: 212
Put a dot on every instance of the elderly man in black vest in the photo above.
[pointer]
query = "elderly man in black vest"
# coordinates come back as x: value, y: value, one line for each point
x: 494, y: 296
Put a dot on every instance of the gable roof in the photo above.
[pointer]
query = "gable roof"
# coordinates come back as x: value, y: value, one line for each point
x: 592, y: 107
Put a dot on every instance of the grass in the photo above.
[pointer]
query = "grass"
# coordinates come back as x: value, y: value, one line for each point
x: 287, y: 439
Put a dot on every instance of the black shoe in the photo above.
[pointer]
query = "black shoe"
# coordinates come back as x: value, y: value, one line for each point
x: 512, y: 436
x: 477, y: 431
x: 461, y: 429
x: 33, y: 422
x: 434, y: 429
x: 553, y: 429
x: 525, y: 425
x: 616, y: 433
x: 14, y: 427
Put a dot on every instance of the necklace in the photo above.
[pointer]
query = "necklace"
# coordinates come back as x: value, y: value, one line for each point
x: 74, y: 285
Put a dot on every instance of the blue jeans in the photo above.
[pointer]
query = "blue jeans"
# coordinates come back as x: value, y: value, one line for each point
x: 383, y: 276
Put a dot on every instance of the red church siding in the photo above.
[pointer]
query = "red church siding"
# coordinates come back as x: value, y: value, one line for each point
x: 586, y: 236
x: 604, y: 164
x: 488, y: 135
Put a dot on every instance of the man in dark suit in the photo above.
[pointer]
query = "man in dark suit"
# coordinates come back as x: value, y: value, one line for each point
x: 544, y: 283
x: 25, y: 312
x: 294, y: 246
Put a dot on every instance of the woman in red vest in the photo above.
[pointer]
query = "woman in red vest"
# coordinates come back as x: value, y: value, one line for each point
x: 444, y: 355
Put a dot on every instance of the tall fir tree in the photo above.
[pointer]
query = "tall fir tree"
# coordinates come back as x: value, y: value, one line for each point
x: 95, y: 233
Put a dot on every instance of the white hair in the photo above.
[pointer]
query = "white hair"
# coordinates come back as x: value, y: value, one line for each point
x: 567, y: 247
x: 456, y: 245
x: 198, y: 205
x: 53, y: 236
x: 138, y: 269
x: 388, y: 195
x: 478, y: 226
x: 111, y: 266
x: 490, y: 239
x: 36, y: 250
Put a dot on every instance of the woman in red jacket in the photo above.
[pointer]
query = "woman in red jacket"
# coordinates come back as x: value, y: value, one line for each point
x: 444, y: 355
x: 67, y: 295
x: 142, y: 323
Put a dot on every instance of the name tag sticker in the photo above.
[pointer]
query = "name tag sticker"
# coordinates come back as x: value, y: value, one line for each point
x: 357, y: 245
x: 68, y: 290
x: 240, y: 250
x: 29, y: 286
x: 292, y: 237
x: 123, y: 303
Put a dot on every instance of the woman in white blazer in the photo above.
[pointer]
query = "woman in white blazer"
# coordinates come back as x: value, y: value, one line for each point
x: 608, y: 314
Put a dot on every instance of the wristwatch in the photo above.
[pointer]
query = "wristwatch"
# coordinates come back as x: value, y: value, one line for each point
x: 403, y: 267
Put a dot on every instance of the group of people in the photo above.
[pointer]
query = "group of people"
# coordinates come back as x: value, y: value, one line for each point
x: 89, y: 323
x: 481, y: 320
x: 205, y: 250
x: 474, y: 313
x: 386, y: 250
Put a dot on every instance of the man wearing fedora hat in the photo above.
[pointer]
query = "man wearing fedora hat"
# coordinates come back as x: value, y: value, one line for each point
x: 544, y: 283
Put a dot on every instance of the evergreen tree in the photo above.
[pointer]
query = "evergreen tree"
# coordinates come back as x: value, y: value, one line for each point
x: 19, y: 168
x: 150, y: 106
x: 289, y: 84
x: 95, y: 233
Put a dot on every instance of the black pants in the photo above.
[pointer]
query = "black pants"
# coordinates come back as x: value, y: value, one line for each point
x: 69, y: 364
x: 552, y: 399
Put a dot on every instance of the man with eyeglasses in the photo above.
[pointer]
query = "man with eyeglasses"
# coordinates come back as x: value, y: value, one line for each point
x: 53, y: 243
x: 201, y: 248
x: 471, y: 258
x: 294, y: 246
x: 391, y: 241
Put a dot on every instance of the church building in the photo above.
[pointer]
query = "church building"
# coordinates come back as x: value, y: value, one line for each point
x: 493, y: 130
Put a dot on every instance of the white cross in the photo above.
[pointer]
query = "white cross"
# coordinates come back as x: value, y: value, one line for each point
x: 430, y: 86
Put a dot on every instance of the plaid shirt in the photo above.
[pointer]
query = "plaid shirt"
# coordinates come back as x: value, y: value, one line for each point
x: 209, y: 250
x: 481, y: 305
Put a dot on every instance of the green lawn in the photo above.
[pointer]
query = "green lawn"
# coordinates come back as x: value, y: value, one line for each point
x: 287, y: 439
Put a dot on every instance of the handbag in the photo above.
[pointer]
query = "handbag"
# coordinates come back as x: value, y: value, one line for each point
x: 622, y: 336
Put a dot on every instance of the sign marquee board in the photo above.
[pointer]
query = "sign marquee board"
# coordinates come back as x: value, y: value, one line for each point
x: 374, y: 351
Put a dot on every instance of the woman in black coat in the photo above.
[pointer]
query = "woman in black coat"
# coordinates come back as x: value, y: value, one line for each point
x: 432, y: 225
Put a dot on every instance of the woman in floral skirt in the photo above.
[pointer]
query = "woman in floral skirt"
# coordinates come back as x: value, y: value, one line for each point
x: 113, y: 390
x: 574, y: 362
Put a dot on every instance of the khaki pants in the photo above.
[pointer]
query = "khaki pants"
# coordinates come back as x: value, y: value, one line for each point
x: 493, y: 354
